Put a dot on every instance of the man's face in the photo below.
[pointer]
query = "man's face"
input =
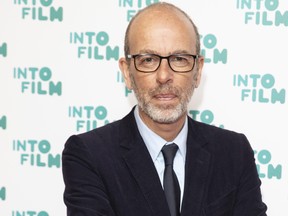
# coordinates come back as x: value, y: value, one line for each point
x: 163, y: 95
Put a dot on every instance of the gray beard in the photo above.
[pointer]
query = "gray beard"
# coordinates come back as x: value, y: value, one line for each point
x: 163, y: 113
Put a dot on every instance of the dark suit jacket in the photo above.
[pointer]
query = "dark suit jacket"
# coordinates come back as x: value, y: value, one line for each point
x: 109, y: 171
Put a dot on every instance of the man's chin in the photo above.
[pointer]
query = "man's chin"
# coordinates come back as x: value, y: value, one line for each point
x: 164, y: 114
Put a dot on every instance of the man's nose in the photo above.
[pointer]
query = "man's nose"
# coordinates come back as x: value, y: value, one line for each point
x: 164, y: 72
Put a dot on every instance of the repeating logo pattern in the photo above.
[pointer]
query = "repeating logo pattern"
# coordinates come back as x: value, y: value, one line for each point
x: 265, y: 13
x: 94, y: 45
x: 94, y: 49
x: 3, y: 122
x: 205, y: 116
x: 3, y: 49
x: 36, y: 153
x: 259, y: 88
x: 40, y: 10
x: 29, y: 213
x: 211, y: 52
x: 133, y: 6
x: 34, y: 80
x: 88, y: 117
x: 2, y: 193
x: 267, y: 169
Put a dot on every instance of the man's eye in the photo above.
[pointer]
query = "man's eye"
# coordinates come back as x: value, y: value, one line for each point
x: 179, y: 59
x: 148, y: 59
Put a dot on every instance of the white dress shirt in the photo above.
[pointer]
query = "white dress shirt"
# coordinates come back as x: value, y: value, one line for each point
x: 154, y: 145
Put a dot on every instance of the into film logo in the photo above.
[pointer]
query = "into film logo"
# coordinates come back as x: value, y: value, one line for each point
x: 88, y: 117
x: 37, y: 81
x: 41, y: 10
x: 2, y: 193
x: 264, y: 166
x: 3, y: 49
x: 259, y: 88
x: 211, y: 52
x: 94, y: 45
x: 205, y: 116
x: 29, y: 213
x: 3, y: 122
x: 132, y: 4
x: 263, y: 12
x: 36, y: 153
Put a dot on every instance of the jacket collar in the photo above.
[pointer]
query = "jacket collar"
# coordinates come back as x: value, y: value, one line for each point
x: 138, y: 160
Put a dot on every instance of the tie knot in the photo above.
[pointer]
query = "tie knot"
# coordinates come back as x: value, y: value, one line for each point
x: 169, y: 152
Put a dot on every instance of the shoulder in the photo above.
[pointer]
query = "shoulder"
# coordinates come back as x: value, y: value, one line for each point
x: 103, y: 132
x: 219, y: 139
x: 213, y: 132
x: 106, y: 136
x: 97, y: 137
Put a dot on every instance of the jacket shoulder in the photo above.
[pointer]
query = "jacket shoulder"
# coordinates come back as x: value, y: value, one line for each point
x: 220, y: 139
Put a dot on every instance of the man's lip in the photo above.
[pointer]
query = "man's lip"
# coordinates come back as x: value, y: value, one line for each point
x: 165, y: 96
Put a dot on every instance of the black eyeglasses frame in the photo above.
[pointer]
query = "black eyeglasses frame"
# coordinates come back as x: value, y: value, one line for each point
x: 163, y: 57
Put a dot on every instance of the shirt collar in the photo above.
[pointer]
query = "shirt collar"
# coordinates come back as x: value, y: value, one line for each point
x: 155, y: 143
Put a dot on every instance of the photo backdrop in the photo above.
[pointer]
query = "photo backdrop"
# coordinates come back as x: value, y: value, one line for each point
x: 59, y: 76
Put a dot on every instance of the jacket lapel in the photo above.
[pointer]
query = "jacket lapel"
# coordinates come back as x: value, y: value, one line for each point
x: 138, y: 160
x: 196, y: 171
x: 140, y: 164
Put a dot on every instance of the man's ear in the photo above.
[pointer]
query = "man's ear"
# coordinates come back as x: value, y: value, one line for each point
x: 124, y: 67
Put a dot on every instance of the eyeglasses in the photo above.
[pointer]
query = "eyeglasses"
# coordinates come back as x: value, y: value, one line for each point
x: 180, y: 63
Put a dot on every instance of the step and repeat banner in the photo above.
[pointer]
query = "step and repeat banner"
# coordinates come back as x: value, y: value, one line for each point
x: 59, y: 76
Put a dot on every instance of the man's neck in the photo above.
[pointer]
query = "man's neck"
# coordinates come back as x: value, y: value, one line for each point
x: 168, y: 131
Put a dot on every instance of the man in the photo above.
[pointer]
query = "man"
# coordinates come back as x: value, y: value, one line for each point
x: 118, y: 169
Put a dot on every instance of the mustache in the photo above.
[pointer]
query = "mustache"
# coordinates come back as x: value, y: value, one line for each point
x: 165, y: 89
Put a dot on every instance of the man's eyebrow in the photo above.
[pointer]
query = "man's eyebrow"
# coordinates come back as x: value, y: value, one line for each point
x: 180, y: 52
x: 148, y: 51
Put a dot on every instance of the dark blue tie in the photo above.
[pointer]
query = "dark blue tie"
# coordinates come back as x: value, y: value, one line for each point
x: 170, y: 182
